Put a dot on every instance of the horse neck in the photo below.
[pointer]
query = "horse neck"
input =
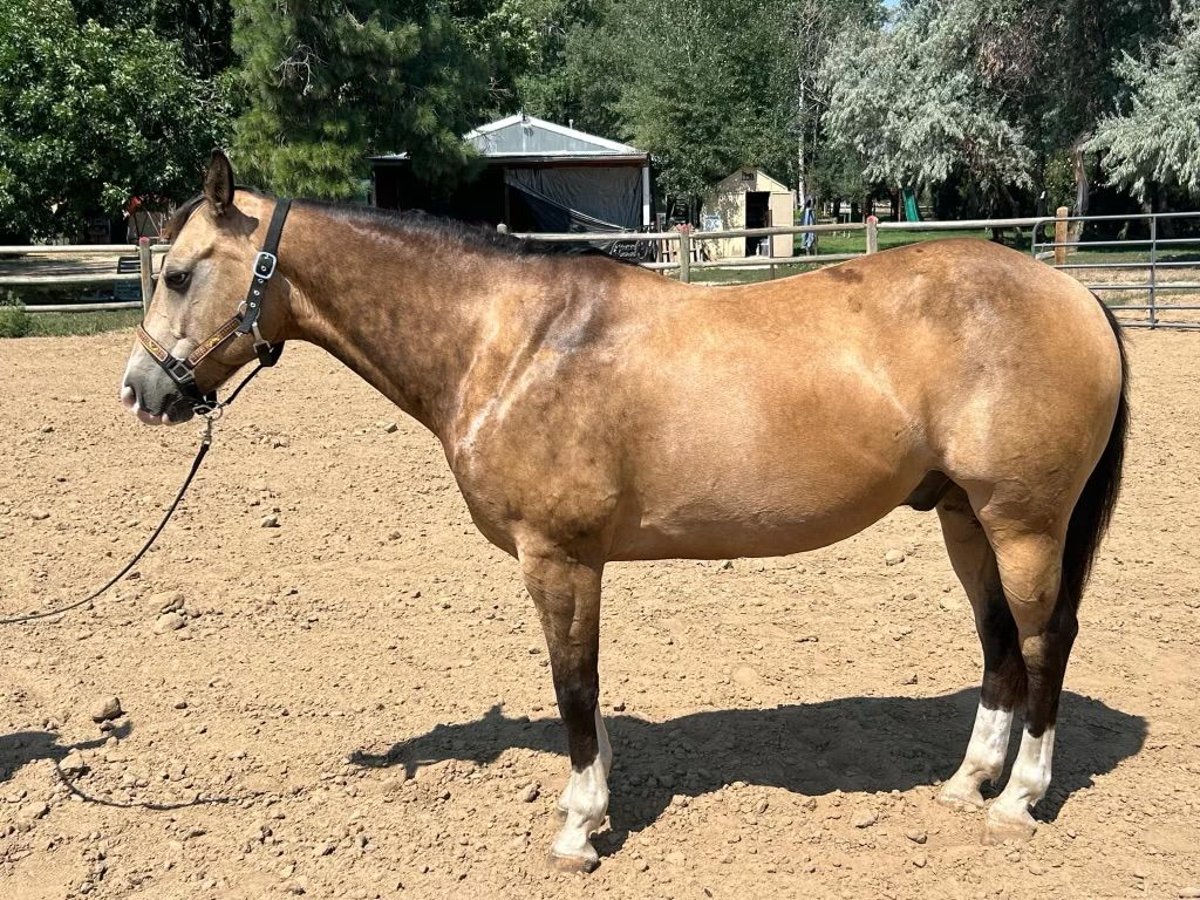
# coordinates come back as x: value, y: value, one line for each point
x: 403, y: 309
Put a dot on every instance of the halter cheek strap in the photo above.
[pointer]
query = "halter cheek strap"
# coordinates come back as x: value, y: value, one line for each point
x: 245, y: 321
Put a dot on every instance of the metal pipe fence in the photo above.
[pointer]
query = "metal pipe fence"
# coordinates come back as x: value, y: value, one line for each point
x: 1160, y: 309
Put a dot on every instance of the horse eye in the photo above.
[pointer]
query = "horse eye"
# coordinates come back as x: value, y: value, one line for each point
x: 177, y: 281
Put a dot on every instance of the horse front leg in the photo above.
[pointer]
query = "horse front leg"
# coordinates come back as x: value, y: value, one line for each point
x: 566, y: 593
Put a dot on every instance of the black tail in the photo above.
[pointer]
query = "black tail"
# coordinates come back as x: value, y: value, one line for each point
x: 1092, y: 513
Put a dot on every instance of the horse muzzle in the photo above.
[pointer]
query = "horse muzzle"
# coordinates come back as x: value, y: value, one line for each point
x: 149, y: 393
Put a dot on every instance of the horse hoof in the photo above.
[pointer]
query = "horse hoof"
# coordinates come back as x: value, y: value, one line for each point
x: 574, y: 864
x: 1001, y: 827
x: 958, y: 796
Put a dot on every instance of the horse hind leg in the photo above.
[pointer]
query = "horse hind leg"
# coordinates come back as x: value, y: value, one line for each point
x: 1003, y: 687
x: 1030, y: 564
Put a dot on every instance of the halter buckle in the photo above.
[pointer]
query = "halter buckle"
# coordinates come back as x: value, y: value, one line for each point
x: 179, y: 371
x: 264, y: 264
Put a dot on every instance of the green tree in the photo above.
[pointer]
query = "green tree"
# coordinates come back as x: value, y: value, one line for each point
x: 201, y: 28
x: 797, y: 39
x: 704, y: 85
x: 698, y: 97
x: 329, y: 82
x: 579, y: 64
x: 988, y: 94
x: 1155, y: 139
x: 508, y: 35
x: 90, y: 116
x: 909, y: 105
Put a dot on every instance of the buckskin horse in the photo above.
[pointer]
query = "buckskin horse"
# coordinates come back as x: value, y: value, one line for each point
x: 593, y: 411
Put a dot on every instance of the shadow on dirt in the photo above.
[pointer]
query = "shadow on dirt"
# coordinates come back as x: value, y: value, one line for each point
x: 853, y: 744
x: 23, y: 747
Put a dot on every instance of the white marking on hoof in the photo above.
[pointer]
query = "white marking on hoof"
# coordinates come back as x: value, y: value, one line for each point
x: 605, y: 757
x: 984, y: 759
x: 585, y: 802
x: 959, y: 794
x: 1026, y: 785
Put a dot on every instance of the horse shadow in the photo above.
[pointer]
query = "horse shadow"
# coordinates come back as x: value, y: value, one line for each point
x: 23, y: 747
x: 851, y: 744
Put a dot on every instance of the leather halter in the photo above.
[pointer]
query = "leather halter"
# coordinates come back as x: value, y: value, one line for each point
x: 244, y: 321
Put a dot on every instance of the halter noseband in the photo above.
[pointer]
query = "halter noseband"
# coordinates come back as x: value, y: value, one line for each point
x: 244, y: 321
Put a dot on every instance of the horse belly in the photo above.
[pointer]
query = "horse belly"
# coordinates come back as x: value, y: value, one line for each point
x: 742, y: 511
x: 767, y: 459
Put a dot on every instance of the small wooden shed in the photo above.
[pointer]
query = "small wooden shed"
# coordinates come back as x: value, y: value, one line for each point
x: 749, y: 198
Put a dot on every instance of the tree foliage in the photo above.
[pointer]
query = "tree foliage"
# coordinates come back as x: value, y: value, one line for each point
x: 699, y: 95
x: 1156, y: 138
x: 925, y: 114
x: 704, y: 85
x: 992, y: 93
x: 91, y: 115
x: 328, y: 82
x: 980, y: 100
x: 201, y: 28
x: 578, y: 64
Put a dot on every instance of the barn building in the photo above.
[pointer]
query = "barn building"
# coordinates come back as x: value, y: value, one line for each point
x: 537, y: 176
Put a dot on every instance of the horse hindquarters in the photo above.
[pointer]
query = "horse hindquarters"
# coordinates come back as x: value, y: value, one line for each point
x: 1042, y: 555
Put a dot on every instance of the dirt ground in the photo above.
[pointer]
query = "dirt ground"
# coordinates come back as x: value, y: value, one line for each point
x: 358, y: 702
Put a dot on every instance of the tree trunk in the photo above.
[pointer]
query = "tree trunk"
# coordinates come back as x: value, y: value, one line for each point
x: 801, y: 169
x: 1082, y: 186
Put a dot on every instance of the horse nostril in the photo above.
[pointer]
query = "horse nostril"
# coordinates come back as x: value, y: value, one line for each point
x: 128, y: 397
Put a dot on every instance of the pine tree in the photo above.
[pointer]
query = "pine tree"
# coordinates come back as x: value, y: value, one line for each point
x: 329, y: 82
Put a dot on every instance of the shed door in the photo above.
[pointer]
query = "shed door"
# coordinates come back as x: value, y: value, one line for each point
x: 758, y: 215
x: 783, y: 212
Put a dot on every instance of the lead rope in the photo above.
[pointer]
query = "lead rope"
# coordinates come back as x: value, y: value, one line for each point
x: 211, y: 414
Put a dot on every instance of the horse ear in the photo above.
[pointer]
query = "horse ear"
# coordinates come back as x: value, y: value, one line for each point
x: 218, y: 182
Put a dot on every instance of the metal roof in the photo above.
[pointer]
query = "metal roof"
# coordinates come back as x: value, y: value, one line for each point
x: 524, y: 137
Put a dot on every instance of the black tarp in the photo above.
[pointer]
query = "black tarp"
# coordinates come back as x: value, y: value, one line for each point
x: 581, y: 199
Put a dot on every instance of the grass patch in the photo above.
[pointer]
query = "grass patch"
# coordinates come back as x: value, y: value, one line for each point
x: 748, y: 274
x: 16, y: 322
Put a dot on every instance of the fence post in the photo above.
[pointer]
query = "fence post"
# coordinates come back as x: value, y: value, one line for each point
x: 146, y: 270
x: 872, y: 234
x: 685, y: 255
x: 1153, y: 271
x: 1060, y: 235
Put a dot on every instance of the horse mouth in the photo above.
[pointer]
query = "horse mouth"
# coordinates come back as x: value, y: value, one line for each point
x: 177, y: 409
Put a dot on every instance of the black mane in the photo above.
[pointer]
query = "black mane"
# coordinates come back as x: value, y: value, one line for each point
x: 480, y: 237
